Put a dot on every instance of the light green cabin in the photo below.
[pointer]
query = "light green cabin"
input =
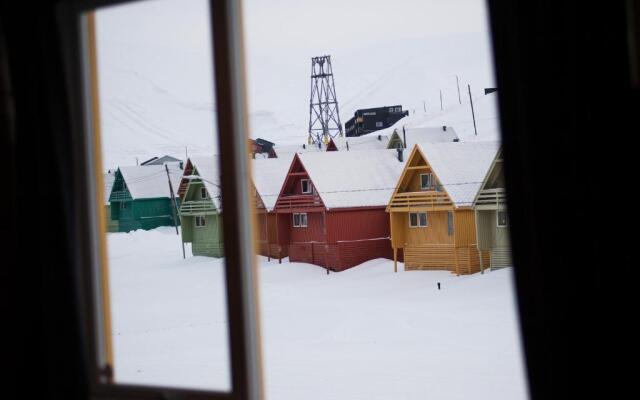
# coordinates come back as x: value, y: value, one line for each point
x: 200, y: 215
x: 492, y: 223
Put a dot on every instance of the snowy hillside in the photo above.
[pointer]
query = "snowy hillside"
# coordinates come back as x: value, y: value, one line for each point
x: 156, y: 86
x: 365, y: 333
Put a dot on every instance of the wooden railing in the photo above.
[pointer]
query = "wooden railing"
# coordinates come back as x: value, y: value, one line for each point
x: 197, y: 207
x: 457, y: 259
x: 501, y: 257
x: 492, y: 197
x: 298, y: 201
x: 420, y: 199
x: 120, y: 195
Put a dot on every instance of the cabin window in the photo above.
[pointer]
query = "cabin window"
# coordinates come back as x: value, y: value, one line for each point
x: 450, y: 223
x: 502, y: 219
x: 203, y: 192
x: 306, y: 186
x: 201, y: 221
x: 390, y: 109
x: 426, y: 181
x: 398, y: 109
x: 300, y: 220
x: 378, y: 124
x: 418, y: 220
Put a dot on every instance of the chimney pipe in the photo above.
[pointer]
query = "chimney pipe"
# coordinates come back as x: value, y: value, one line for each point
x: 400, y: 150
x: 404, y: 138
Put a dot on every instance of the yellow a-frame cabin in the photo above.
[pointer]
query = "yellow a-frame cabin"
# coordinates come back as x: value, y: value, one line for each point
x: 433, y: 224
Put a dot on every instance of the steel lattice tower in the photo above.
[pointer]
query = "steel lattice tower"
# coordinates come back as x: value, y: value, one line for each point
x: 324, y: 116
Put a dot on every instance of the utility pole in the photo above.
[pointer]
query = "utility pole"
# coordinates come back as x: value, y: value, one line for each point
x: 424, y: 104
x: 174, y: 208
x: 458, y: 84
x: 441, y: 108
x: 473, y: 115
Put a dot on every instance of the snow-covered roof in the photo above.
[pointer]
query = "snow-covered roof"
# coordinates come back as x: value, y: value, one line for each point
x: 209, y: 172
x: 108, y: 180
x: 459, y: 117
x: 460, y: 166
x: 268, y: 176
x: 160, y: 160
x: 430, y: 134
x: 371, y: 141
x: 291, y: 149
x: 343, y: 179
x: 150, y: 181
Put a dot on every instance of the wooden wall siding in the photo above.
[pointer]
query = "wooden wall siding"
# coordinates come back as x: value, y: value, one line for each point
x: 491, y: 199
x: 502, y: 237
x: 143, y: 214
x: 495, y: 179
x: 188, y: 169
x: 430, y: 256
x: 262, y: 226
x: 357, y: 224
x: 414, y: 182
x: 314, y: 232
x: 339, y: 256
x: 486, y: 220
x: 464, y: 226
x: 437, y: 231
x: 353, y: 253
x: 193, y: 204
x: 186, y: 228
x: 207, y: 240
x: 112, y: 224
x: 398, y: 221
x: 284, y: 229
x: 268, y: 245
x: 501, y: 257
x: 462, y: 260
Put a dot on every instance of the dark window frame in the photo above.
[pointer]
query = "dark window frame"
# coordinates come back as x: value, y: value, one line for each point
x: 77, y: 22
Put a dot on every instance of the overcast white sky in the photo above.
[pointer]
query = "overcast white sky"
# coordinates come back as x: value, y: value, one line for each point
x: 155, y: 65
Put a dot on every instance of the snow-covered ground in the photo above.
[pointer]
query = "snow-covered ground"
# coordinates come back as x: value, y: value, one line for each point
x: 365, y: 333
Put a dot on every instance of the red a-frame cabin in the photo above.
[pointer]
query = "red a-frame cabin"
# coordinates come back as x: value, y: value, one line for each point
x: 331, y: 208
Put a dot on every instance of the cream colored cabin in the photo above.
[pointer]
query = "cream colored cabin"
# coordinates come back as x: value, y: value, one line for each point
x: 433, y: 222
x: 492, y: 227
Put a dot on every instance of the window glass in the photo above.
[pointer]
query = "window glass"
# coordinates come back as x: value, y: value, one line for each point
x: 296, y: 220
x: 502, y: 218
x: 305, y: 186
x: 303, y: 220
x: 413, y: 219
x: 423, y: 219
x: 158, y: 131
x: 426, y: 181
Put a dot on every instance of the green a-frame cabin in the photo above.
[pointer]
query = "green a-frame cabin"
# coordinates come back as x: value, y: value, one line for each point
x: 141, y: 199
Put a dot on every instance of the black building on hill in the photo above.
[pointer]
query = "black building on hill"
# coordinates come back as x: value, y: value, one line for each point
x: 372, y: 119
